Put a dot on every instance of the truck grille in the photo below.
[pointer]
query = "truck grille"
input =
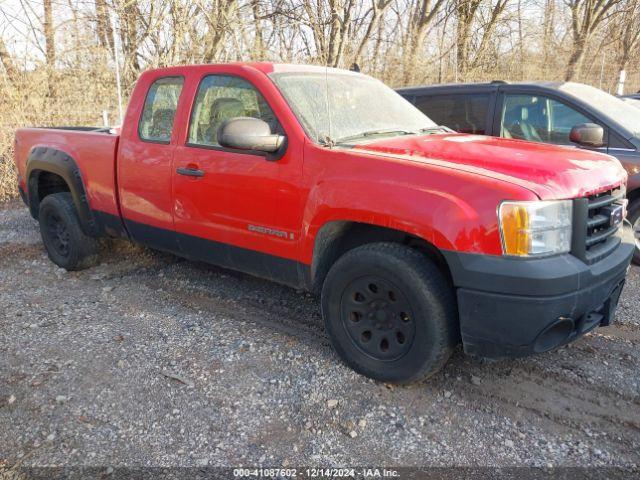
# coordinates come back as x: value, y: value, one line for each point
x: 594, y: 226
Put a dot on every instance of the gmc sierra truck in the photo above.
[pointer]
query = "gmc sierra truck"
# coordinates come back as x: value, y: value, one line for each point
x: 416, y: 238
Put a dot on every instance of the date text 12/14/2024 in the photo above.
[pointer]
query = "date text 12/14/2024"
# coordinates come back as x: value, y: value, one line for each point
x: 315, y: 473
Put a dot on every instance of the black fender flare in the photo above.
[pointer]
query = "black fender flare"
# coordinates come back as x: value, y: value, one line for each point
x: 46, y: 159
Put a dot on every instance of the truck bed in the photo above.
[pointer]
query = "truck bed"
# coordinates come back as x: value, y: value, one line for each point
x: 85, y: 145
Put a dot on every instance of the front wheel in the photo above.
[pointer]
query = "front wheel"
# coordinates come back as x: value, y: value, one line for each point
x: 66, y: 244
x: 390, y: 313
x: 634, y: 218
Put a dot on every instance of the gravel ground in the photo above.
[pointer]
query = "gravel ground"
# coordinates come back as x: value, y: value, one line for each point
x: 150, y: 360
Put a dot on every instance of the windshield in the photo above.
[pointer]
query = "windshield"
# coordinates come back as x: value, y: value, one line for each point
x: 359, y: 106
x: 623, y: 113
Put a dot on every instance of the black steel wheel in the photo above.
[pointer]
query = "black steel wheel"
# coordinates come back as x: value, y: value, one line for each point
x: 378, y: 318
x: 57, y: 233
x: 390, y: 313
x: 67, y: 245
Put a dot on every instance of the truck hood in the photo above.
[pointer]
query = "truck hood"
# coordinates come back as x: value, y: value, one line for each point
x: 550, y: 171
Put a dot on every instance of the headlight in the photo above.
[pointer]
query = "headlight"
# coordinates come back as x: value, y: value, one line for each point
x: 535, y: 229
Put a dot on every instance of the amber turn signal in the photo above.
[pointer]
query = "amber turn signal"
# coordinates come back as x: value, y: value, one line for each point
x: 535, y: 228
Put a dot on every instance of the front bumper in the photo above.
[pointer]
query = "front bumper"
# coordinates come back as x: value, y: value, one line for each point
x: 511, y: 307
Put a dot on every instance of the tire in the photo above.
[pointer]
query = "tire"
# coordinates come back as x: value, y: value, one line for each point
x: 402, y: 300
x: 65, y: 242
x: 633, y: 216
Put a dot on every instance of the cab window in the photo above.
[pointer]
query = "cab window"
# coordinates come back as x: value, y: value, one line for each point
x: 159, y: 111
x: 221, y: 97
x: 462, y: 113
x: 538, y: 118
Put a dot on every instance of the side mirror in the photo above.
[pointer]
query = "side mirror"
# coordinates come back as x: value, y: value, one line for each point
x: 247, y: 133
x: 587, y: 135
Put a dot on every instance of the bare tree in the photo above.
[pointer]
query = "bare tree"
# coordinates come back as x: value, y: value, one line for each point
x: 103, y: 24
x: 549, y: 18
x: 7, y: 62
x: 586, y: 17
x: 466, y: 13
x: 50, y: 47
x: 626, y: 32
x: 49, y: 37
x: 422, y: 13
x: 378, y: 9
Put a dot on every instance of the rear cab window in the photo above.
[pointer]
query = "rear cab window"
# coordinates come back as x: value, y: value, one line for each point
x: 159, y: 111
x: 464, y: 113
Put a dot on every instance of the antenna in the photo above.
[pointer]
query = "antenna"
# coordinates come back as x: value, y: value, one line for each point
x: 116, y: 58
x: 326, y: 84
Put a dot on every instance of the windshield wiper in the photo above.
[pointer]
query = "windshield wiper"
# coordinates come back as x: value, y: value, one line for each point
x: 370, y: 133
x: 436, y: 129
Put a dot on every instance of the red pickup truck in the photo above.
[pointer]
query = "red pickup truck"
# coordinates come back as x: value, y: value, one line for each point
x: 415, y: 237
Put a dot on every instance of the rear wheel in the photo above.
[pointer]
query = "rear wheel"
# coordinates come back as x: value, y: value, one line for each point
x: 65, y: 242
x: 390, y: 313
x: 634, y: 218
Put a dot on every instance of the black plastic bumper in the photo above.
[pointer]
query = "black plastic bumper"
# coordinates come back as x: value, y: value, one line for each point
x: 512, y: 307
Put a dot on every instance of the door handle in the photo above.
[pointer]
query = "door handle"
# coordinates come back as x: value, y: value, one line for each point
x: 190, y: 172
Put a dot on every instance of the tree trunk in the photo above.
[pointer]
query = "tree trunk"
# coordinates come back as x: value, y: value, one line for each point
x: 345, y: 24
x: 547, y: 34
x: 50, y: 47
x: 334, y: 34
x: 378, y: 8
x: 574, y: 64
x: 465, y: 13
x: 422, y: 16
x: 586, y: 17
x: 103, y: 25
x: 7, y: 62
x: 128, y: 22
x: 258, y: 40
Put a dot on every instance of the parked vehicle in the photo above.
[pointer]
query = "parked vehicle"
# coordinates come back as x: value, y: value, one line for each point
x: 542, y: 112
x: 415, y: 238
x: 632, y: 100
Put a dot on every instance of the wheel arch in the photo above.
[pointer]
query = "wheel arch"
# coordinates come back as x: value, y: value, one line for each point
x: 50, y: 170
x: 335, y: 238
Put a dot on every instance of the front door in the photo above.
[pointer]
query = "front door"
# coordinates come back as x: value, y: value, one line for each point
x: 236, y: 208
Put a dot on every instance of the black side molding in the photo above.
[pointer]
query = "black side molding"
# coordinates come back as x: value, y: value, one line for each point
x: 278, y: 269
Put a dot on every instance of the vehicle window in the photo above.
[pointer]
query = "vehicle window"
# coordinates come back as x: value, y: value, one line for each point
x: 221, y: 97
x: 539, y: 119
x: 159, y: 109
x: 615, y: 141
x: 347, y: 107
x: 462, y: 113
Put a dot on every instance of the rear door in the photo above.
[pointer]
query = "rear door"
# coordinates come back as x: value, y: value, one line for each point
x: 145, y: 160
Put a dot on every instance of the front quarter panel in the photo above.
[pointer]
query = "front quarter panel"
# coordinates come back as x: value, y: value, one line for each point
x: 451, y: 209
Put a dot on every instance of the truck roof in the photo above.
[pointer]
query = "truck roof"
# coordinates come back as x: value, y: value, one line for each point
x: 264, y: 67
